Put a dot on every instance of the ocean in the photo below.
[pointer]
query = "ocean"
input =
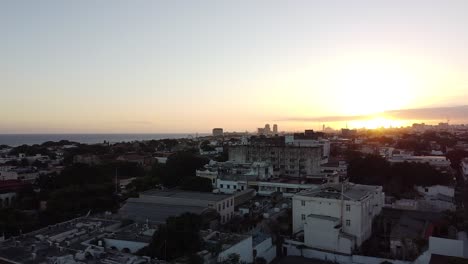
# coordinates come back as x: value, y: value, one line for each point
x: 31, y: 139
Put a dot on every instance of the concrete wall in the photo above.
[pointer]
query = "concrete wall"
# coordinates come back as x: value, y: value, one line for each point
x: 448, y: 247
x: 243, y: 249
x: 436, y: 189
x: 322, y: 234
x: 292, y: 250
x: 133, y: 246
x: 266, y: 250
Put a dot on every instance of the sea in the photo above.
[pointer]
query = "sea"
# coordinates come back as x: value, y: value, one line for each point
x: 14, y: 140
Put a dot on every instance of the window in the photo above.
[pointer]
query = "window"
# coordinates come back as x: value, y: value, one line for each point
x: 219, y: 207
x: 229, y: 186
x: 348, y: 208
x: 348, y: 222
x: 224, y: 205
x: 303, y: 203
x: 223, y: 218
x: 220, y: 186
x: 214, y: 180
x: 242, y: 187
x: 232, y: 202
x: 303, y: 216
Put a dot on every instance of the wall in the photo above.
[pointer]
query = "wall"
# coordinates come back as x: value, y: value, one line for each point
x: 243, y: 249
x: 134, y: 246
x: 266, y: 250
x: 448, y: 247
x: 291, y: 246
x: 436, y: 189
x: 321, y: 233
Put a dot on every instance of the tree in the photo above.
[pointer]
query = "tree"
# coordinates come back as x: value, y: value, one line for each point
x: 180, y: 236
x: 181, y: 165
x: 198, y: 184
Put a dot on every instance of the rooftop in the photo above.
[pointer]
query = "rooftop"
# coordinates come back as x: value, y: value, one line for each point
x: 141, y: 210
x: 350, y: 191
x: 186, y: 195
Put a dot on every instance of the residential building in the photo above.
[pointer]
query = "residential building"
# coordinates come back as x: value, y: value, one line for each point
x: 286, y: 160
x: 337, y: 217
x: 439, y: 162
x: 235, y: 171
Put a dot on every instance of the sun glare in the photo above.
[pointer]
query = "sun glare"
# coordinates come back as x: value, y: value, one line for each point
x: 378, y: 122
x: 369, y: 88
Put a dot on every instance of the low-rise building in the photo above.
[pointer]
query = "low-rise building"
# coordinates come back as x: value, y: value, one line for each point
x: 221, y: 203
x: 440, y: 162
x: 337, y: 217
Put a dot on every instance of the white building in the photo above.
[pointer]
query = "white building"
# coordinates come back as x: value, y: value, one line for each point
x: 464, y: 167
x: 436, y: 190
x: 337, y: 217
x: 436, y: 161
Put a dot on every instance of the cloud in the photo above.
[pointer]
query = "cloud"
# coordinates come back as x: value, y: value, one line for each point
x: 433, y: 113
x: 456, y: 113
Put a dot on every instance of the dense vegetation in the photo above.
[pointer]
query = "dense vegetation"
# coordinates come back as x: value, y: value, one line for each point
x: 180, y: 236
x: 397, y: 178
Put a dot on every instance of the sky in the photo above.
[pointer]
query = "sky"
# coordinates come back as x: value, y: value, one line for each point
x: 110, y: 66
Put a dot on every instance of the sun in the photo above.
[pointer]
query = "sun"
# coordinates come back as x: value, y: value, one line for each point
x: 372, y: 87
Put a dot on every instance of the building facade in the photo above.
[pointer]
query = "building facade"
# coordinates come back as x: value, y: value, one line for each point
x: 337, y: 217
x: 292, y: 161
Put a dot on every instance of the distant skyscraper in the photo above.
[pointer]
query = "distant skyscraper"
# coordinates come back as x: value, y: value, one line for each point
x: 267, y: 129
x: 275, y: 129
x: 218, y: 132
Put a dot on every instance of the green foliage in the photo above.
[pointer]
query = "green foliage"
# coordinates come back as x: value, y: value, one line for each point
x: 205, y: 146
x: 395, y: 178
x: 181, y: 165
x: 178, y: 237
x: 14, y: 222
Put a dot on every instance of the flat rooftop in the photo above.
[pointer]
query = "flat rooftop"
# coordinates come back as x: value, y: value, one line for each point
x: 353, y: 192
x: 140, y: 210
x: 205, y: 196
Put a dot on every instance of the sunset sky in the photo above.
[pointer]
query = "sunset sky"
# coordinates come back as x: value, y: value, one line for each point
x: 188, y: 66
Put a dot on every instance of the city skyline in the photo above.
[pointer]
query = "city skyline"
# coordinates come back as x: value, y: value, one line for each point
x: 184, y: 67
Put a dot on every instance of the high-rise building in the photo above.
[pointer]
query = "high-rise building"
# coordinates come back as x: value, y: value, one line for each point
x: 267, y: 130
x: 218, y: 132
x: 275, y: 129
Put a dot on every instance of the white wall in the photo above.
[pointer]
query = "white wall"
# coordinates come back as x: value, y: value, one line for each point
x: 436, y: 189
x: 243, y: 249
x: 134, y: 246
x: 321, y: 234
x: 447, y: 247
x: 266, y: 250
